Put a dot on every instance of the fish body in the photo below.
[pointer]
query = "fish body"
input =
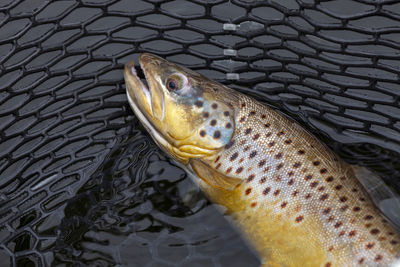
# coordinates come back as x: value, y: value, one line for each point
x: 293, y: 199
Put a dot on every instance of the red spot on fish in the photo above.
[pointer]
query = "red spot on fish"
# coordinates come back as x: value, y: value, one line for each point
x: 378, y: 258
x: 352, y: 233
x: 299, y: 218
x: 369, y: 245
x: 374, y: 231
x: 280, y: 165
x: 368, y: 217
x: 338, y: 224
x: 248, y: 191
x: 326, y: 211
x: 288, y: 141
x: 253, y: 204
x: 271, y: 144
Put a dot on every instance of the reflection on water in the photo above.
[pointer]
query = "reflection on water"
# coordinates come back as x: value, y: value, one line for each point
x: 138, y: 209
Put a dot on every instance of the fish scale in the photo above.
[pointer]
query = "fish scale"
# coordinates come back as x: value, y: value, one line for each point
x: 292, y: 198
x: 283, y: 183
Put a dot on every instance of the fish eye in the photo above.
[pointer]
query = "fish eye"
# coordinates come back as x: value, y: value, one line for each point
x: 172, y: 84
x: 176, y: 82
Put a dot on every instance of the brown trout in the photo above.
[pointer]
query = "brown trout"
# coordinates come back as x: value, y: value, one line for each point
x: 293, y: 199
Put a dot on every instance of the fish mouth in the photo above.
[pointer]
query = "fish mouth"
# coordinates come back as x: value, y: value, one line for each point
x: 140, y: 97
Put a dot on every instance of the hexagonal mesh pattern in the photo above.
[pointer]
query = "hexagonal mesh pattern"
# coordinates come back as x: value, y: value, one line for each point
x: 80, y: 181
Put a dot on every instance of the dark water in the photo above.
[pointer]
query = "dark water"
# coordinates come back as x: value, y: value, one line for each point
x: 138, y: 209
x: 81, y: 182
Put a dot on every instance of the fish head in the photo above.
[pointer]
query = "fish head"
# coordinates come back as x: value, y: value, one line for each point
x: 188, y: 115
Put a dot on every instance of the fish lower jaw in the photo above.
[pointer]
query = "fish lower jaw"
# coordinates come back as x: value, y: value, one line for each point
x: 158, y: 138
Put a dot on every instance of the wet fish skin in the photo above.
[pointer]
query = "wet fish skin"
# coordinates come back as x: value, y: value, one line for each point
x: 293, y: 199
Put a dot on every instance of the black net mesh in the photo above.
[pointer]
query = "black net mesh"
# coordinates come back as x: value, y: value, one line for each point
x: 80, y: 181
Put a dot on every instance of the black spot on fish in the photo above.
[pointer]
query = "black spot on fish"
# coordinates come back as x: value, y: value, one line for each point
x: 229, y: 144
x: 234, y: 156
x: 253, y: 154
x: 199, y: 103
x: 296, y: 165
x: 329, y: 179
x: 281, y: 133
x: 239, y: 170
x: 213, y: 122
x: 202, y: 133
x: 228, y: 125
x: 250, y: 178
x: 266, y: 190
x: 206, y: 114
x: 214, y: 105
x: 217, y: 134
x: 248, y: 131
x: 226, y: 113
